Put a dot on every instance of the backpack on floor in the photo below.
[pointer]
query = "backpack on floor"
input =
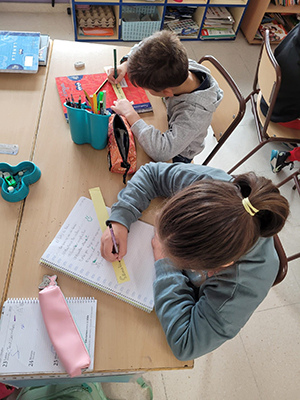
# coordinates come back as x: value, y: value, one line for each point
x: 84, y: 391
x: 5, y: 390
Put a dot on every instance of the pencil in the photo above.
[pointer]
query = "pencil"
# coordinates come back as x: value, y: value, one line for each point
x: 87, y: 97
x: 104, y: 101
x: 101, y: 86
x: 115, y: 63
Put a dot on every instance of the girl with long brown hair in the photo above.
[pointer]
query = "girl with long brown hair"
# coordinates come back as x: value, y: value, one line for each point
x: 214, y: 252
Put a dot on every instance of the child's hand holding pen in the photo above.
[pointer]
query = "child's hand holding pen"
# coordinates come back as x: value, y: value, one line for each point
x: 118, y: 232
x: 121, y: 71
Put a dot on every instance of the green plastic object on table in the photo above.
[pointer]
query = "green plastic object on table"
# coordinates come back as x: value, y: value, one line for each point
x: 15, y: 180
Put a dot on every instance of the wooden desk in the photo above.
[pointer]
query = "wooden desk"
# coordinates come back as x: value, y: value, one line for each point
x: 20, y: 103
x: 127, y: 339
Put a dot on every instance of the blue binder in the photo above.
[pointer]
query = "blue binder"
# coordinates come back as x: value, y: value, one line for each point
x: 19, y: 51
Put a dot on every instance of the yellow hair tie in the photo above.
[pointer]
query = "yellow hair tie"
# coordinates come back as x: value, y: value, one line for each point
x: 249, y: 207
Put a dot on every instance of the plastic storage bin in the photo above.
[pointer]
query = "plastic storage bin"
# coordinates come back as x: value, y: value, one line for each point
x: 15, y: 180
x: 87, y: 127
x: 138, y: 30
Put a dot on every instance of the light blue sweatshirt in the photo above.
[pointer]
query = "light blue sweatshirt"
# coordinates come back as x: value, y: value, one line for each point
x: 197, y: 315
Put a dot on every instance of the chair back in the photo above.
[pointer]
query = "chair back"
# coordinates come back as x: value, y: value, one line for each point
x: 268, y: 72
x: 232, y: 107
x: 283, y: 261
x: 267, y: 82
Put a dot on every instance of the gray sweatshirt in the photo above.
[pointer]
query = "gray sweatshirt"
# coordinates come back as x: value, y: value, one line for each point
x: 198, y: 315
x: 189, y: 116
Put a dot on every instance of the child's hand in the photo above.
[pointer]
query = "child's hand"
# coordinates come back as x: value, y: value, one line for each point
x: 124, y: 107
x: 121, y: 69
x: 157, y: 248
x: 107, y: 247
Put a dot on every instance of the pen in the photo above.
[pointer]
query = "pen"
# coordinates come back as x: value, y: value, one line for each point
x: 113, y: 238
x: 104, y: 101
x: 115, y: 63
x: 100, y: 96
x: 100, y: 107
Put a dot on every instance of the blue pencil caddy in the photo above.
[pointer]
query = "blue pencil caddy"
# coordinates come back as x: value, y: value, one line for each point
x: 15, y: 181
x: 87, y: 127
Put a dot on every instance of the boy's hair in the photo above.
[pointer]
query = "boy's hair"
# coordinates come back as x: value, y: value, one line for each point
x: 205, y: 226
x: 158, y: 62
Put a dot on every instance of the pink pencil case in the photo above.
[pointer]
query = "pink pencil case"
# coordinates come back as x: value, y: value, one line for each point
x: 62, y: 330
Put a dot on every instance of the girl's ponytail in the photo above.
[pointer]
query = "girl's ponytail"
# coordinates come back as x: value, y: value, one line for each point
x: 273, y: 208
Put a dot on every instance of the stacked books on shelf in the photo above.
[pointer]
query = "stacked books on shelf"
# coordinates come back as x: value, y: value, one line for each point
x: 290, y: 20
x: 187, y: 27
x: 218, y: 23
x: 276, y: 26
x: 285, y: 3
x: 180, y: 21
x: 179, y: 13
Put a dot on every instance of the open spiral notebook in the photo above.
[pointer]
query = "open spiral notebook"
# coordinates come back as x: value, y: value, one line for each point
x: 75, y: 251
x: 25, y: 346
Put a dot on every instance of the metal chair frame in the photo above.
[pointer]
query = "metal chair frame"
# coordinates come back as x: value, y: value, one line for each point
x: 284, y: 259
x: 266, y: 57
x: 236, y: 118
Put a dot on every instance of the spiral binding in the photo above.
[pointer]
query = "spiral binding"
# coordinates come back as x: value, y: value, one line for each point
x: 101, y: 287
x: 30, y: 300
x: 18, y: 300
x: 80, y: 299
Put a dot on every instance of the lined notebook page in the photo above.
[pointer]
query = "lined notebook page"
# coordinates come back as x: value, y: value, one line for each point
x: 75, y: 251
x: 25, y: 347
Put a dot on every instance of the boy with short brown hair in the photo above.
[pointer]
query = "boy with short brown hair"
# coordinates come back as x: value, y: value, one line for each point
x: 160, y: 65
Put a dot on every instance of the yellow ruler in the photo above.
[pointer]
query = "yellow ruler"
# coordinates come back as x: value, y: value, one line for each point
x: 119, y: 91
x: 102, y: 215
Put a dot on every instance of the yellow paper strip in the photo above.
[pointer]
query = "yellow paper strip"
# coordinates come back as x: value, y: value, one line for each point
x: 102, y: 215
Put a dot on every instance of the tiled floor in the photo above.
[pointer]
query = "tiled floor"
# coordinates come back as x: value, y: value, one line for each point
x: 262, y: 361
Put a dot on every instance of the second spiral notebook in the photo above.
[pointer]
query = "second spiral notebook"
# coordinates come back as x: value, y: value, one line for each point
x: 75, y: 251
x: 25, y: 346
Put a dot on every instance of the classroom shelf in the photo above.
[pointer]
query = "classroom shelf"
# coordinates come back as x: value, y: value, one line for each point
x: 254, y: 14
x: 236, y: 7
